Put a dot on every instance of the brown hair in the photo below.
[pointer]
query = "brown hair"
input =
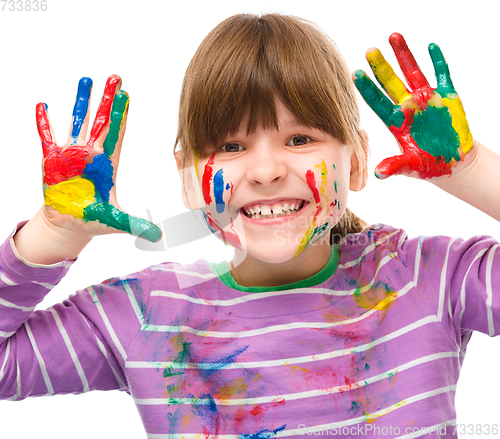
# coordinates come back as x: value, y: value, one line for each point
x: 245, y: 64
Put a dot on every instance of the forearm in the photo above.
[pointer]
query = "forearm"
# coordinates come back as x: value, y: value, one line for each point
x: 477, y: 182
x: 61, y: 349
x: 40, y: 242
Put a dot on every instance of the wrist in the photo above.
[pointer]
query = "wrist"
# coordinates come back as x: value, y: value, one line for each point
x: 40, y: 242
x: 474, y: 180
x: 465, y: 173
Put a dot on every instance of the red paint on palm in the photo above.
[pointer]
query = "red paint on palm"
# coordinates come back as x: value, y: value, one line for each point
x: 61, y: 165
x: 58, y: 164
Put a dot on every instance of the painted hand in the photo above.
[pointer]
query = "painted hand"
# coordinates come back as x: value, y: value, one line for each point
x: 429, y: 124
x: 79, y: 177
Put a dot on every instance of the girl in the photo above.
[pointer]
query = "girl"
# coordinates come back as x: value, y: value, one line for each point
x: 295, y: 336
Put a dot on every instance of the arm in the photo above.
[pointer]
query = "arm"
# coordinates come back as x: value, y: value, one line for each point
x: 73, y: 347
x: 81, y: 344
x: 431, y: 129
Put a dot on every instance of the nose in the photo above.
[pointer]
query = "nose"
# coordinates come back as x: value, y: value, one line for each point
x: 266, y: 166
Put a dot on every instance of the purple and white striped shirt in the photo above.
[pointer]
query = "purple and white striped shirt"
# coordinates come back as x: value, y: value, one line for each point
x: 371, y: 346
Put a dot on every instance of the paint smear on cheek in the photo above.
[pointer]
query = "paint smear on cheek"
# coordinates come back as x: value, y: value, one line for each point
x: 206, y: 182
x: 324, y: 180
x: 311, y: 181
x: 219, y: 191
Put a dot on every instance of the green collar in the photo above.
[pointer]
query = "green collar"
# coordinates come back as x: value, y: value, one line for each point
x: 221, y: 271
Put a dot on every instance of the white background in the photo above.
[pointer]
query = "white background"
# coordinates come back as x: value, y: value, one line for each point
x: 149, y: 44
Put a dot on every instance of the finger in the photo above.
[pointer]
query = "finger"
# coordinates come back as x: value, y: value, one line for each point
x: 377, y: 100
x: 43, y: 125
x: 392, y: 166
x: 102, y: 117
x: 114, y: 138
x: 386, y: 76
x: 111, y: 216
x: 79, y: 125
x: 409, y: 66
x: 445, y: 85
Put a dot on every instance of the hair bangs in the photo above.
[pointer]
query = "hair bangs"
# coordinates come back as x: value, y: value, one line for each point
x: 247, y: 64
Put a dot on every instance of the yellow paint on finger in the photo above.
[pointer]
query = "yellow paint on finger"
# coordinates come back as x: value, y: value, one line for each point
x: 459, y: 122
x: 71, y: 197
x: 384, y: 73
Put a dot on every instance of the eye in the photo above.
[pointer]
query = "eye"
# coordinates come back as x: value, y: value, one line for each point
x: 299, y: 140
x: 232, y: 147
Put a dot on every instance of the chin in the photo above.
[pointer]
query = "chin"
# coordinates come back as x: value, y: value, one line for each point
x: 273, y: 254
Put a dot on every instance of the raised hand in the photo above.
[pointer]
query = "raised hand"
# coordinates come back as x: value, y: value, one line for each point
x: 79, y: 177
x: 429, y: 124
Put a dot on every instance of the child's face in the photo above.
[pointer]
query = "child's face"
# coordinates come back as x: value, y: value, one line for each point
x: 276, y: 190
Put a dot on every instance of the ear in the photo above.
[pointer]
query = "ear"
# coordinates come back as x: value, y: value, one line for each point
x: 189, y: 181
x: 359, y: 164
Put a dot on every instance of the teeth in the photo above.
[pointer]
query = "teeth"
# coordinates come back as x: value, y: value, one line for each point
x: 277, y: 209
x: 265, y: 211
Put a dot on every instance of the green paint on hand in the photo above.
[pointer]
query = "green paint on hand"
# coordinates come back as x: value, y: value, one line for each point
x: 109, y: 215
x: 433, y: 132
x: 391, y: 115
x: 117, y: 114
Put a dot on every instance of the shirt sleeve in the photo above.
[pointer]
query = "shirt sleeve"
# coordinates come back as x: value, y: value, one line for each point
x: 73, y: 347
x: 459, y: 279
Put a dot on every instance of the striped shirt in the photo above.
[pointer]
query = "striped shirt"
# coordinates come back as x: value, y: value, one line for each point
x: 372, y: 348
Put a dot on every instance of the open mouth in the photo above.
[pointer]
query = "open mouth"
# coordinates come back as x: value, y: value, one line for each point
x: 275, y: 210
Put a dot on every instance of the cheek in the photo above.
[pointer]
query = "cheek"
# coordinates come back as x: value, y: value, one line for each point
x: 215, y: 187
x: 327, y: 184
x: 216, y: 190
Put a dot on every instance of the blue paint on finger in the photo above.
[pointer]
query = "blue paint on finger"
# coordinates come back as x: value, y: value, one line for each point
x: 81, y: 107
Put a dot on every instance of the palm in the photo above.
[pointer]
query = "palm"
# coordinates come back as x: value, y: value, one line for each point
x: 429, y: 124
x: 79, y: 177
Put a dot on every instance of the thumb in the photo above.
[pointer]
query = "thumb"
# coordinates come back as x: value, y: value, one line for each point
x: 390, y: 166
x: 111, y: 216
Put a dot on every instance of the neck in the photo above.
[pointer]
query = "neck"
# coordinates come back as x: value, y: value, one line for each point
x: 250, y: 272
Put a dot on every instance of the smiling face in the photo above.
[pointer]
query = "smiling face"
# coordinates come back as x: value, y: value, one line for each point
x: 282, y: 189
